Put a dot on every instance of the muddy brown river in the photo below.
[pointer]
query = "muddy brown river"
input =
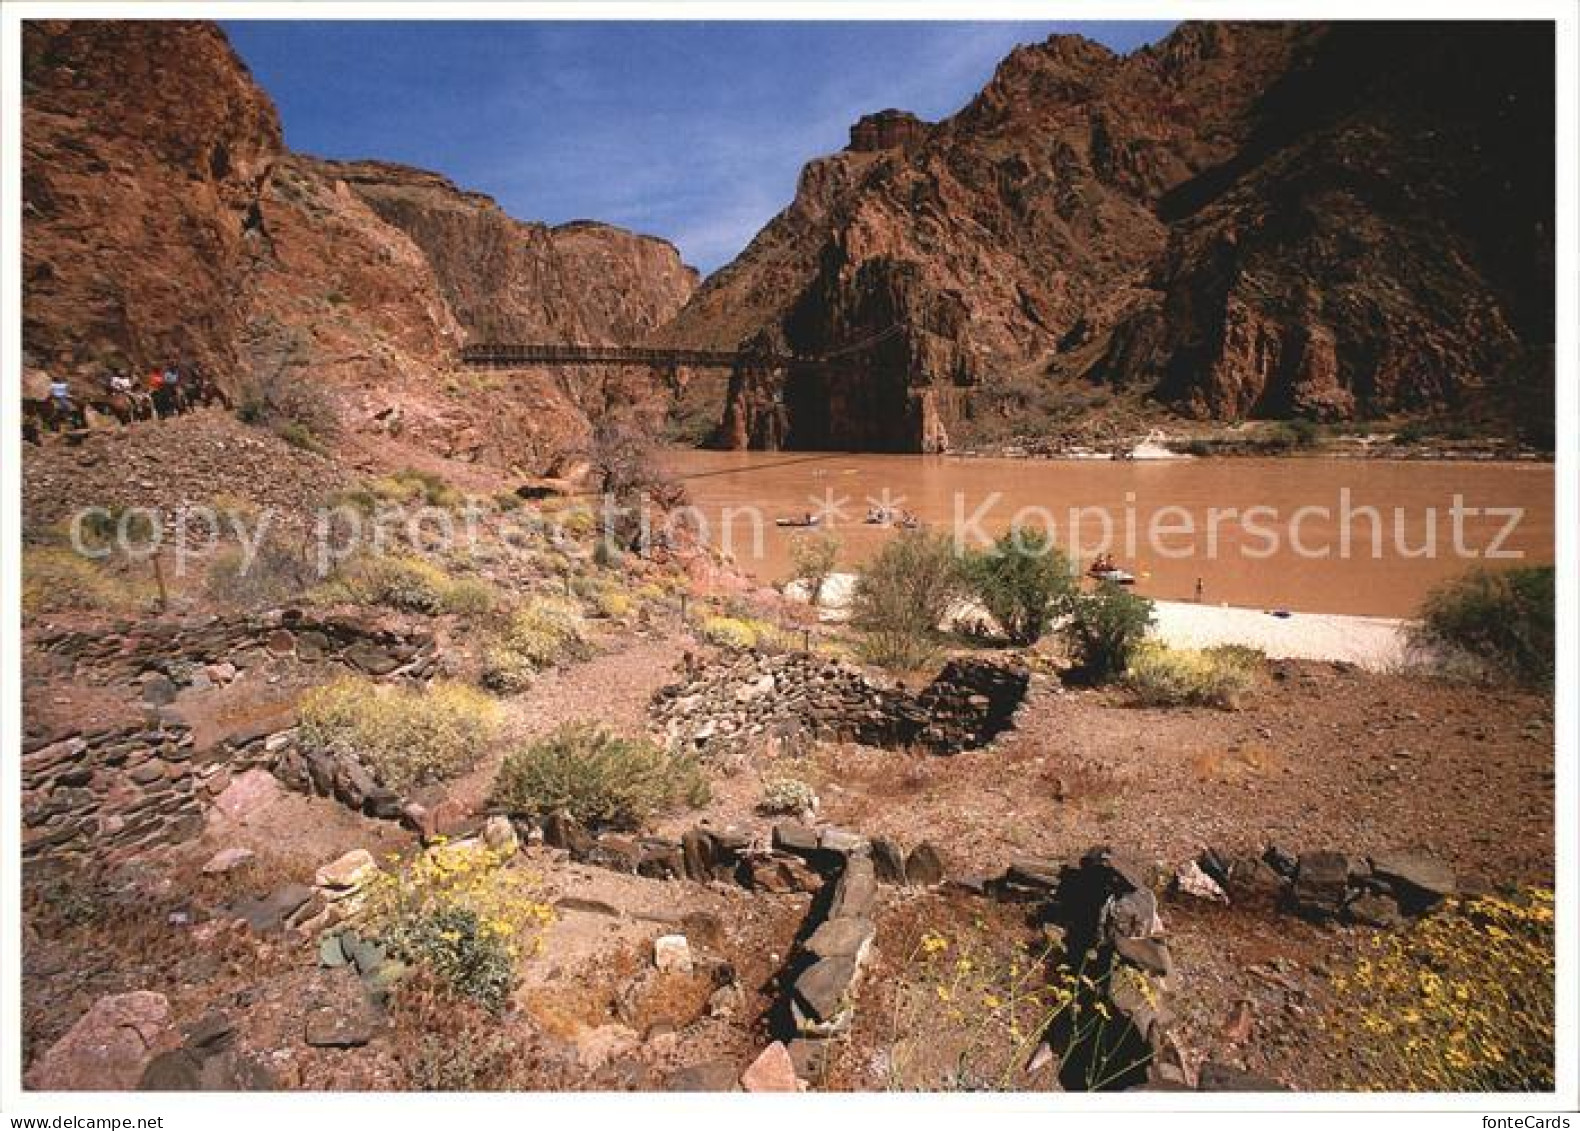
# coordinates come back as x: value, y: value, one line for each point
x: 1321, y: 535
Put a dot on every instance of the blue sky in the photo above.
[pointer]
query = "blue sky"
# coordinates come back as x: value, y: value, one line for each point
x: 694, y: 131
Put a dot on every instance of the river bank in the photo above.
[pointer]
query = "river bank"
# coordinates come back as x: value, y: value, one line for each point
x: 1373, y: 643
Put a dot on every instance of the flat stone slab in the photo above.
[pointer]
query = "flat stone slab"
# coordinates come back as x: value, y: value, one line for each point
x: 823, y: 988
x: 845, y: 937
x: 334, y: 1028
x: 1414, y: 876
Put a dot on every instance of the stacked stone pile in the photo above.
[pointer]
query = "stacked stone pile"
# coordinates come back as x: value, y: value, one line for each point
x: 752, y: 697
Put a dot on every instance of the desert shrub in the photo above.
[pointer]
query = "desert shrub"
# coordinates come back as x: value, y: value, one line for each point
x: 405, y: 736
x: 1159, y: 676
x: 407, y: 487
x: 108, y: 527
x: 541, y: 633
x: 901, y: 597
x: 1102, y: 630
x: 458, y: 913
x: 1503, y: 620
x: 1461, y: 1001
x: 812, y: 559
x: 787, y: 797
x: 600, y: 778
x: 275, y: 575
x: 736, y: 632
x: 1292, y: 435
x: 411, y: 584
x: 1021, y: 580
x: 56, y: 579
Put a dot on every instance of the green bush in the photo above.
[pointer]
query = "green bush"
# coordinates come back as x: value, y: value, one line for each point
x: 901, y: 597
x: 405, y: 736
x: 1503, y: 620
x: 1102, y: 630
x: 456, y: 945
x: 601, y: 779
x: 812, y: 559
x: 1022, y: 580
x: 1160, y: 676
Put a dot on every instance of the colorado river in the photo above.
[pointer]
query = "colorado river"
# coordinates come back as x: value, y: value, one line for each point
x: 1329, y: 535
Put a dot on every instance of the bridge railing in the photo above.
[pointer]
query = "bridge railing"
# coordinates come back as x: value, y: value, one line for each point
x: 511, y: 355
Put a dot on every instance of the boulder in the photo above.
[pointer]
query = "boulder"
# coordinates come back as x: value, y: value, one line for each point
x: 772, y: 1071
x: 672, y: 954
x: 1419, y: 882
x: 1321, y: 882
x: 248, y: 794
x: 340, y: 1026
x: 924, y: 867
x: 348, y: 874
x: 110, y: 1046
x: 228, y: 859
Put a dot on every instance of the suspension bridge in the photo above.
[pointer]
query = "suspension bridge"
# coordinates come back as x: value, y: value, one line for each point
x: 494, y: 355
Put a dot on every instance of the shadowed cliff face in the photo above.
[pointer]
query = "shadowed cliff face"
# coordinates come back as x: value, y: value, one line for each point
x: 165, y: 218
x: 514, y: 281
x: 1251, y: 219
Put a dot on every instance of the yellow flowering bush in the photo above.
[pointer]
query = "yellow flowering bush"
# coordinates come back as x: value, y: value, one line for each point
x: 1160, y: 676
x: 406, y: 736
x: 459, y: 912
x: 543, y: 632
x: 1462, y: 1001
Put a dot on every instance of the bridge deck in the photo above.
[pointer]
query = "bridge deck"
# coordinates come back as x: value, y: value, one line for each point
x: 493, y: 356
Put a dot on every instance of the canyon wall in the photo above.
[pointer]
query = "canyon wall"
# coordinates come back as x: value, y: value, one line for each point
x: 165, y: 218
x: 1262, y: 219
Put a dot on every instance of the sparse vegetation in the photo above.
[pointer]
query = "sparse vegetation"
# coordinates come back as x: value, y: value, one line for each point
x: 459, y: 913
x: 1462, y: 1001
x: 411, y: 584
x: 737, y: 632
x: 405, y: 736
x: 274, y: 575
x: 1102, y: 630
x: 902, y: 596
x: 812, y: 558
x: 1501, y: 622
x: 601, y: 779
x: 1021, y: 580
x: 787, y: 797
x: 541, y: 633
x: 57, y: 579
x: 1159, y: 676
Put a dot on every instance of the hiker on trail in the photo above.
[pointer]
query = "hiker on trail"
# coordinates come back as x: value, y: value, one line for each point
x: 60, y: 393
x: 120, y: 382
x: 160, y: 395
x: 172, y: 385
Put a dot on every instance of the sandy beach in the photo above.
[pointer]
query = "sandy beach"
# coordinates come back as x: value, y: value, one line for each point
x: 1375, y: 643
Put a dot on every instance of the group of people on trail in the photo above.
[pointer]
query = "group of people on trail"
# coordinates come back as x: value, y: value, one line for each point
x: 167, y: 390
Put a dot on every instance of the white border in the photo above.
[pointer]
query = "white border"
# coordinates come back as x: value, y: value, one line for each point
x: 262, y: 1111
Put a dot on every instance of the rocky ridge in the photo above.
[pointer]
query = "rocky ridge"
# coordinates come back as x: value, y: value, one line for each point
x: 1241, y: 220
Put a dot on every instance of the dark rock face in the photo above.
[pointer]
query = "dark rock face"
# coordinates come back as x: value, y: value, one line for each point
x: 509, y: 280
x: 1242, y: 220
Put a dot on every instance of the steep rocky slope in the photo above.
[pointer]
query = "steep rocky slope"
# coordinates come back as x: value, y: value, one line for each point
x: 1242, y: 219
x: 513, y: 281
x: 164, y: 217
